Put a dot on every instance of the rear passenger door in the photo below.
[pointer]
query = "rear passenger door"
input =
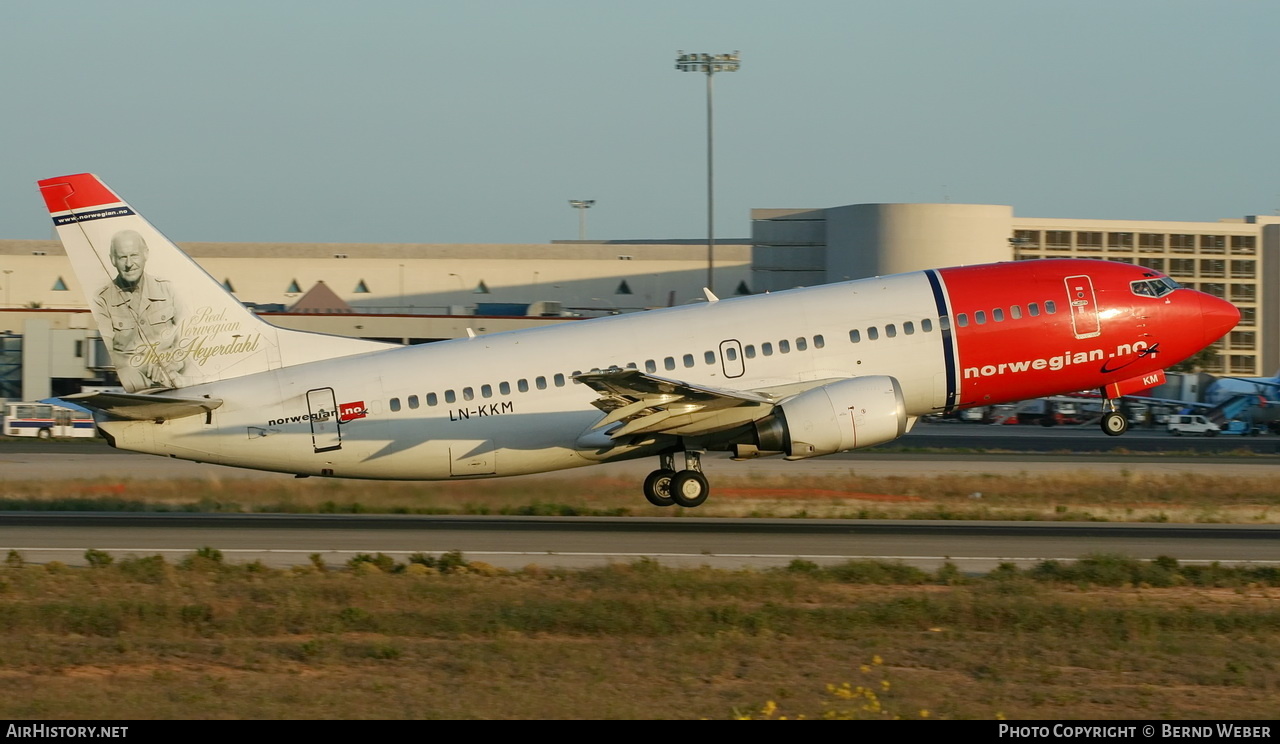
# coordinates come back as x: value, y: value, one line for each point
x: 322, y: 409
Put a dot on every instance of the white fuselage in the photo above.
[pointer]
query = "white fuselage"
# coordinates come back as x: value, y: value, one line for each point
x: 506, y: 404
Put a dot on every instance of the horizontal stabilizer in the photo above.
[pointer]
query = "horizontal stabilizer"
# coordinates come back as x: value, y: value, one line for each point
x: 143, y: 407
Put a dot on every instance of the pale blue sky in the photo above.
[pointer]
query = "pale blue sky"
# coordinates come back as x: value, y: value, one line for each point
x: 469, y: 122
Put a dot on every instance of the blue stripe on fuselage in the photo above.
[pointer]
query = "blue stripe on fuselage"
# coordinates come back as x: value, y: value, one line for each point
x: 948, y: 344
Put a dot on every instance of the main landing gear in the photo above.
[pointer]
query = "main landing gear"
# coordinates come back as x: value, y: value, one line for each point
x: 1113, y: 422
x: 688, y: 488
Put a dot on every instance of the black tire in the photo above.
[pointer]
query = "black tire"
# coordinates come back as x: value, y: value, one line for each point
x: 657, y: 487
x: 1176, y: 432
x: 689, y: 488
x: 1113, y: 424
x: 1211, y: 433
x: 44, y: 434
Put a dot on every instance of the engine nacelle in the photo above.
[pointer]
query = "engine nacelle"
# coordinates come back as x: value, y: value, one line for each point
x: 844, y: 415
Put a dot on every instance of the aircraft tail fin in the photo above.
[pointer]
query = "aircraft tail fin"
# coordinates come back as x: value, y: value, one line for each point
x: 165, y: 322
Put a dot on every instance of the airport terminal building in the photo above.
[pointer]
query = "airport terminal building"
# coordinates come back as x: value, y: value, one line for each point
x: 420, y: 293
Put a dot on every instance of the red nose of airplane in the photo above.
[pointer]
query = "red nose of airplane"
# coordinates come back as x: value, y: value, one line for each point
x: 1218, y: 317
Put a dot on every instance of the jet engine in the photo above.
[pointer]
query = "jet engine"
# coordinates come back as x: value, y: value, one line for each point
x: 844, y: 415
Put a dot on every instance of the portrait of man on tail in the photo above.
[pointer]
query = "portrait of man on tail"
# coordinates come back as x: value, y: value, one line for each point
x: 138, y: 314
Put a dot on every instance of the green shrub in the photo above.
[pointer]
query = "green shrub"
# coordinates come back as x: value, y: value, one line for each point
x: 802, y: 566
x: 204, y: 559
x: 152, y: 569
x: 195, y: 614
x: 1110, y: 569
x: 877, y: 572
x: 210, y: 554
x: 357, y: 619
x: 98, y: 558
x: 381, y: 561
x: 450, y: 562
x: 949, y: 574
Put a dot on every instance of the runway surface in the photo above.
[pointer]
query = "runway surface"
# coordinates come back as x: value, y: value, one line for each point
x: 513, y: 542
x: 1009, y: 449
x: 576, y: 542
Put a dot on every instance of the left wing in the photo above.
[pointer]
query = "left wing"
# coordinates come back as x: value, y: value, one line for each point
x: 647, y: 404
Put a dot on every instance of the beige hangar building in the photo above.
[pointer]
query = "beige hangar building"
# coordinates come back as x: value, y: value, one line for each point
x: 415, y: 293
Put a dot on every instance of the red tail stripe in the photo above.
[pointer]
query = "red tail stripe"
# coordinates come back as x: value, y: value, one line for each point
x: 81, y: 191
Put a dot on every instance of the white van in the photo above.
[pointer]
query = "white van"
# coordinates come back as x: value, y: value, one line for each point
x: 1180, y: 424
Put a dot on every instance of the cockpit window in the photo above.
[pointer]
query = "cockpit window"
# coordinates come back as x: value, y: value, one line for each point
x: 1154, y: 287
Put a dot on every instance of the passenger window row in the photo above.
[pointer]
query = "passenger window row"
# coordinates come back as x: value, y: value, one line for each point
x: 749, y: 351
x: 560, y: 380
x: 784, y: 346
x: 998, y: 315
x: 891, y: 330
x: 486, y: 391
x: 980, y: 317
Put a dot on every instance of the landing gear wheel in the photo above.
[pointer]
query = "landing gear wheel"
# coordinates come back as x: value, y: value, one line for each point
x: 689, y: 488
x: 657, y: 487
x: 1114, y: 424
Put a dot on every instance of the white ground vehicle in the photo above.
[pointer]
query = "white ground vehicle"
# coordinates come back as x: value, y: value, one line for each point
x: 46, y: 421
x: 1183, y: 424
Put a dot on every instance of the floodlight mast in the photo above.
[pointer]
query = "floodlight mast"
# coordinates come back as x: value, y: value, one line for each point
x: 709, y: 64
x: 582, y: 205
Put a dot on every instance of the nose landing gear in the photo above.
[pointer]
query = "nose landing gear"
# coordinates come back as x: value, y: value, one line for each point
x: 1113, y: 422
x: 666, y: 486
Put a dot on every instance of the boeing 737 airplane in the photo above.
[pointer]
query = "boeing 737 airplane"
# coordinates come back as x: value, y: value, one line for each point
x: 800, y: 373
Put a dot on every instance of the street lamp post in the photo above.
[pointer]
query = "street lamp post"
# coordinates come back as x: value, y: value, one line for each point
x: 709, y: 64
x: 582, y: 205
